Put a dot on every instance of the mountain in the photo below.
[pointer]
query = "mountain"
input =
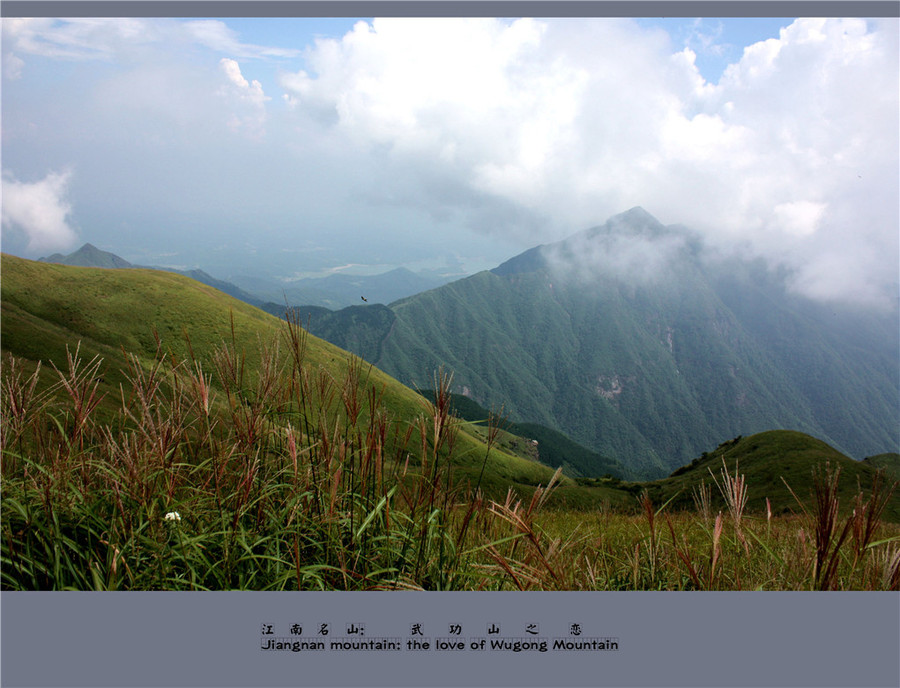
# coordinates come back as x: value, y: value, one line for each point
x: 629, y: 340
x: 44, y: 308
x: 89, y: 256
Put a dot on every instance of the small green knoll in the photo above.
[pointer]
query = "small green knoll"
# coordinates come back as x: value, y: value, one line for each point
x: 771, y: 461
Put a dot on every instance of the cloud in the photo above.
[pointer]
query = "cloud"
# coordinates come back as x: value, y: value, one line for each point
x: 76, y: 39
x: 572, y: 122
x: 248, y: 98
x: 629, y: 257
x: 525, y: 130
x: 704, y: 37
x: 216, y: 35
x: 39, y: 211
x: 81, y: 39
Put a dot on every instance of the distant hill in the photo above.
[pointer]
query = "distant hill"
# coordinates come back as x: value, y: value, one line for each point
x: 332, y: 292
x: 768, y: 460
x: 341, y: 290
x: 626, y: 339
x: 89, y: 256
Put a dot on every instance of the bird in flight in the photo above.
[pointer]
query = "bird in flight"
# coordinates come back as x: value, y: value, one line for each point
x: 364, y: 299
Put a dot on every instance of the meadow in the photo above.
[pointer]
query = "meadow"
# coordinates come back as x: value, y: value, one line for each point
x: 219, y: 474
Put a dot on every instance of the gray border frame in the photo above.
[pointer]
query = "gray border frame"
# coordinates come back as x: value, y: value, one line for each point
x: 668, y: 639
x: 449, y: 8
x: 672, y: 639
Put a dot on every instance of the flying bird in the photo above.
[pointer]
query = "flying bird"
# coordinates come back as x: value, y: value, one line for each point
x: 364, y: 299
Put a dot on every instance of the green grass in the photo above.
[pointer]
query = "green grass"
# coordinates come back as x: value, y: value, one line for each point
x: 305, y: 492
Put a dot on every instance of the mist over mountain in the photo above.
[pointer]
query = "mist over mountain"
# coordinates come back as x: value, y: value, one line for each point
x: 639, y: 343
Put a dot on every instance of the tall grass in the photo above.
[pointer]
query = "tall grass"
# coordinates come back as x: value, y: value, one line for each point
x: 207, y: 474
x: 282, y: 477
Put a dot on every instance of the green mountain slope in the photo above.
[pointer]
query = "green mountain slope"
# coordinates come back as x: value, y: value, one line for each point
x: 626, y: 340
x: 89, y: 256
x: 771, y: 461
x: 47, y: 307
x: 890, y: 462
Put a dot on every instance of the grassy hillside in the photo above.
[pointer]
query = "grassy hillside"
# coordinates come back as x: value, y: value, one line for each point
x: 46, y: 307
x: 890, y: 462
x: 771, y: 461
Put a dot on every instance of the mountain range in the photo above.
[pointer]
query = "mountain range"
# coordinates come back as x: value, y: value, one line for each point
x: 89, y: 256
x: 632, y: 342
x: 629, y: 339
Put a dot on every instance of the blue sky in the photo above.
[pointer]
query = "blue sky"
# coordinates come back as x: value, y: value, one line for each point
x: 717, y: 41
x: 293, y: 147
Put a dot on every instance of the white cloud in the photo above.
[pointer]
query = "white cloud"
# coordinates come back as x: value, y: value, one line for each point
x: 39, y: 211
x: 110, y: 38
x: 75, y: 39
x: 576, y: 121
x: 216, y: 35
x: 801, y: 218
x: 248, y: 98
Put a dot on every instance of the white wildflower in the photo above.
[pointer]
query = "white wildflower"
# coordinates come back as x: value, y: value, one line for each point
x: 173, y: 516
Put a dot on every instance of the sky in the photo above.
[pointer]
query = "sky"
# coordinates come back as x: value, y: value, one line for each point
x: 297, y: 147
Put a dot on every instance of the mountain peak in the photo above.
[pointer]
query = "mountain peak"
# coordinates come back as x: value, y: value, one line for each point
x: 637, y: 213
x: 89, y: 256
x: 635, y: 220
